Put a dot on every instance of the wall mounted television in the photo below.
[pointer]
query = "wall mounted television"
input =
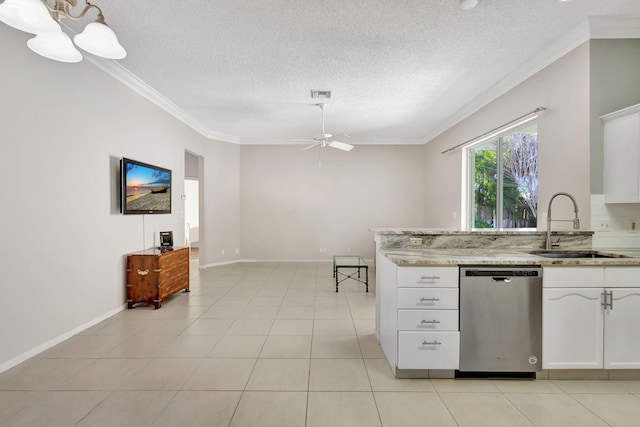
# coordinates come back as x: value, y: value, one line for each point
x: 145, y: 189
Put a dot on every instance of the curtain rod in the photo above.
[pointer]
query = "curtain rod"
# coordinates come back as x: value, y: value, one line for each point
x: 537, y: 110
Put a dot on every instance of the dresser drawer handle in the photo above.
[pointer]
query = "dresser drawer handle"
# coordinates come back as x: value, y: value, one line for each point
x: 143, y: 272
x: 429, y: 299
x: 168, y: 288
x: 434, y: 342
x: 167, y: 274
x: 429, y: 278
x: 429, y: 321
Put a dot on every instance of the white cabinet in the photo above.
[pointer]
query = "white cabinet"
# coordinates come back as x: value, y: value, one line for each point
x: 621, y: 337
x: 590, y: 318
x: 622, y: 156
x: 428, y: 336
x: 572, y: 328
x: 418, y: 316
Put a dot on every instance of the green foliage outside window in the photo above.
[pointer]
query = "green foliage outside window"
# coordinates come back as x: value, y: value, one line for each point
x: 506, y: 197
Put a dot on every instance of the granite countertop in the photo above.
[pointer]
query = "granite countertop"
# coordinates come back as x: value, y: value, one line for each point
x: 449, y: 257
x: 479, y: 232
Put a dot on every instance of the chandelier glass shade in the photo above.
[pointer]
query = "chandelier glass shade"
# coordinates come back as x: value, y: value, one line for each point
x: 42, y: 18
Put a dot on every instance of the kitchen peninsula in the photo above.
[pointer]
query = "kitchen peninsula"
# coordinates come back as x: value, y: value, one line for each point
x: 419, y: 300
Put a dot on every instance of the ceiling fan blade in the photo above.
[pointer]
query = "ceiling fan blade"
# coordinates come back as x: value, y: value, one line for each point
x: 302, y: 140
x: 340, y: 145
x: 310, y: 146
x: 340, y: 136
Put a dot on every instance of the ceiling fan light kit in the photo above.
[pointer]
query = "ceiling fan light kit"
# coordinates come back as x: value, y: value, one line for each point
x: 468, y: 4
x: 42, y: 18
x: 327, y: 139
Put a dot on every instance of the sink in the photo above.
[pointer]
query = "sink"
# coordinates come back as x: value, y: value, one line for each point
x: 574, y: 254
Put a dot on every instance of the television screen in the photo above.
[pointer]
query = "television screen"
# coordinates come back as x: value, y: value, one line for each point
x: 146, y: 189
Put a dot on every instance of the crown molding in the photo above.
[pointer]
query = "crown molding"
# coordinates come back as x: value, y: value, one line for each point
x: 595, y: 27
x: 532, y: 66
x: 126, y: 77
x: 614, y: 27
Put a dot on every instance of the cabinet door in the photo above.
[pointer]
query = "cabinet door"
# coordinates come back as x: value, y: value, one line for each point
x: 621, y: 144
x: 621, y: 338
x: 572, y: 328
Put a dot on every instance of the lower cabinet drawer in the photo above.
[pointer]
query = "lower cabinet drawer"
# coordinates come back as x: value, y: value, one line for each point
x: 428, y: 320
x: 435, y: 298
x: 428, y: 350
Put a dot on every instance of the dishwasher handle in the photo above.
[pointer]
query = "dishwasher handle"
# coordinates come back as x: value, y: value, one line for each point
x: 502, y: 279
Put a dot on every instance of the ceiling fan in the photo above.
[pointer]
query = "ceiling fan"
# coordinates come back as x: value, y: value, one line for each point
x: 327, y: 139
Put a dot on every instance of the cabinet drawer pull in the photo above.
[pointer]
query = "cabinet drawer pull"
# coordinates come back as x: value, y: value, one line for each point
x: 429, y: 278
x: 143, y: 272
x: 429, y: 321
x: 434, y: 342
x: 167, y: 274
x: 429, y: 299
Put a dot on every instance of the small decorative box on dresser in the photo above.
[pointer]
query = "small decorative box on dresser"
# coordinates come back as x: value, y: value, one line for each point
x: 154, y: 275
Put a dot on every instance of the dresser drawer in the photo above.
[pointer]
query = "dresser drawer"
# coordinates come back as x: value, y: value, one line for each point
x: 428, y: 350
x: 174, y: 257
x: 428, y: 320
x: 428, y: 298
x: 173, y: 271
x: 169, y: 287
x: 432, y: 277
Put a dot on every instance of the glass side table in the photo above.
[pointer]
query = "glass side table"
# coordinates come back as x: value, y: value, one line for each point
x: 350, y: 262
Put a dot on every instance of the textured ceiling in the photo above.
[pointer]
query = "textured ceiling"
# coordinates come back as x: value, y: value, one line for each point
x: 401, y: 71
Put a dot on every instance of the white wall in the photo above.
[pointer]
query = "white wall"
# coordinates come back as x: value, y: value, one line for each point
x: 64, y: 129
x: 220, y: 215
x: 562, y: 87
x: 291, y: 207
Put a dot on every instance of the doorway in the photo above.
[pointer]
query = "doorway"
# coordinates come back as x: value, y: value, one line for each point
x: 192, y: 202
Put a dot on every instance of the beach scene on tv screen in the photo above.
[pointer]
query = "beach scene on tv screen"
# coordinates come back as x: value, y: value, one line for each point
x: 148, y: 189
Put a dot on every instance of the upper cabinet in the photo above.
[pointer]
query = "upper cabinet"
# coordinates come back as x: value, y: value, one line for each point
x: 622, y: 155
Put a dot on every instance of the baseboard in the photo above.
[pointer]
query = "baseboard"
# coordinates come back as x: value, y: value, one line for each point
x: 57, y: 340
x: 218, y: 264
x: 238, y: 261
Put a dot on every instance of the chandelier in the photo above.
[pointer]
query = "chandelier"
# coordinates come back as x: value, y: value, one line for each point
x: 42, y: 18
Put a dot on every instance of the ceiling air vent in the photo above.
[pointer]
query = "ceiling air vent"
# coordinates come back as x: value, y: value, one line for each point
x: 321, y: 94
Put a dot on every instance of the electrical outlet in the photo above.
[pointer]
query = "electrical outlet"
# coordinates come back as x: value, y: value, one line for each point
x: 237, y: 251
x: 222, y: 252
x: 603, y: 226
x: 415, y: 241
x: 633, y: 226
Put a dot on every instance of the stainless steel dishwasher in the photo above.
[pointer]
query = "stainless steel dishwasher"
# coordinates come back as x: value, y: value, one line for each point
x: 500, y: 319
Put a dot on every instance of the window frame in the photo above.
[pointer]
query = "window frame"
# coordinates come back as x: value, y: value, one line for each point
x: 468, y: 157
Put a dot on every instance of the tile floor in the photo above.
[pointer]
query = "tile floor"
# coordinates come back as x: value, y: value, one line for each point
x: 272, y: 344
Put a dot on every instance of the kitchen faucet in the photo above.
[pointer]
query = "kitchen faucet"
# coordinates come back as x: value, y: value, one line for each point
x: 576, y: 221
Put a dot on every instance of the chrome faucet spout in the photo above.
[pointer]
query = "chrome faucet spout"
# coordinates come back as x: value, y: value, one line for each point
x: 576, y: 220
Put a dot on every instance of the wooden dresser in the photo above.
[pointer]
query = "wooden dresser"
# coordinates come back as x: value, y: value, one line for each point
x: 153, y: 276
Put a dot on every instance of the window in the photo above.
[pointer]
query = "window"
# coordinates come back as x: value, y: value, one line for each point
x: 503, y: 180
